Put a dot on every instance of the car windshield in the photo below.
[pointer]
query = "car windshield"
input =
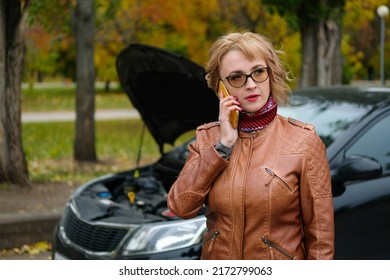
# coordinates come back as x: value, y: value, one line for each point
x: 330, y: 117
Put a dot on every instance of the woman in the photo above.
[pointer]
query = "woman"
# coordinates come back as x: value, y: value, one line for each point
x: 266, y: 185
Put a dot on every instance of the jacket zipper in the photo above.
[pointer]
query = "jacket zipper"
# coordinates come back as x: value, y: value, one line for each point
x: 212, y: 238
x: 273, y: 174
x: 270, y: 244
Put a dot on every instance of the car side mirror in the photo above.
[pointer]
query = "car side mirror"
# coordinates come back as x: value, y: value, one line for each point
x: 358, y: 167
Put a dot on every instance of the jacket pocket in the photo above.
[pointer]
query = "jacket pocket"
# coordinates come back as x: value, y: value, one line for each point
x: 209, y: 241
x: 274, y: 176
x: 272, y: 245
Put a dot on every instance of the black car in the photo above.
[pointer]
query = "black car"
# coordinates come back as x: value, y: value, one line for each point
x: 125, y: 215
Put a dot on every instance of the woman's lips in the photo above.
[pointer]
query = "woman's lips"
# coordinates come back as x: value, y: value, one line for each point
x: 252, y: 98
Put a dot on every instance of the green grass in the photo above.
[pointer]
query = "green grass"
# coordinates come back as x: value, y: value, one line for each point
x: 63, y: 99
x: 49, y: 146
x: 49, y: 150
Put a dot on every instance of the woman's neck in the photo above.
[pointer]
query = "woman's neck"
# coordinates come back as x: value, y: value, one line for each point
x: 249, y: 122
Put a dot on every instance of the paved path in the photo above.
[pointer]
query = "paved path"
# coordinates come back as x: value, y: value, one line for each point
x: 71, y: 116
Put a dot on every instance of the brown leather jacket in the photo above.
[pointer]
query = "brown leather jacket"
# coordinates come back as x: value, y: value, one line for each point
x: 271, y: 200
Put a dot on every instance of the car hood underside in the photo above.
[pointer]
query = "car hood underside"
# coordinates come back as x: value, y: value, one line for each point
x: 169, y: 91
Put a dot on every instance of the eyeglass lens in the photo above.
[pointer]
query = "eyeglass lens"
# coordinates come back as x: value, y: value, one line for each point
x: 258, y: 75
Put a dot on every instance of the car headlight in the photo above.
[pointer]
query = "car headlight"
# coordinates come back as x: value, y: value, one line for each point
x: 157, y: 238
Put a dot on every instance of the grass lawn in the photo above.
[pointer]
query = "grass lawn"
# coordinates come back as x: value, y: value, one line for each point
x: 49, y: 149
x: 49, y: 146
x: 63, y: 99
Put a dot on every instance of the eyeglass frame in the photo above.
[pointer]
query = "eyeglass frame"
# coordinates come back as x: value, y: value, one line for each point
x: 249, y: 75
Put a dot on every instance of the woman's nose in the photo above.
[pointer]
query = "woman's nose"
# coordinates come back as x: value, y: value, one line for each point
x: 250, y: 83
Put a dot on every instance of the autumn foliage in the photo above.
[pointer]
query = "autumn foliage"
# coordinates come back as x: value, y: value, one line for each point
x: 187, y: 27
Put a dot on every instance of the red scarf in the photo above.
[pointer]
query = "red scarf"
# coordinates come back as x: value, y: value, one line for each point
x: 249, y: 122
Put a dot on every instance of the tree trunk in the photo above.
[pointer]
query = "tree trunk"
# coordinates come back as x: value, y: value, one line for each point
x: 13, y: 165
x: 309, y: 54
x: 84, y: 145
x: 328, y: 43
x: 322, y: 63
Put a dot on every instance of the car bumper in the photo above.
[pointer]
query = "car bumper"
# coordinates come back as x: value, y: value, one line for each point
x: 63, y: 251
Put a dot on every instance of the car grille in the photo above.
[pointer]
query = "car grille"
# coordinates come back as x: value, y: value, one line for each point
x: 95, y: 238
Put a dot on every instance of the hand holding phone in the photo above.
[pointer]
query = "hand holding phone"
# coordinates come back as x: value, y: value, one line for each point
x: 233, y: 117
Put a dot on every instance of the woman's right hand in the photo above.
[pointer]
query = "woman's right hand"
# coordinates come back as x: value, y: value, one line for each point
x: 227, y: 104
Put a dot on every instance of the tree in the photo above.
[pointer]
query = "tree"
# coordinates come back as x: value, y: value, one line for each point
x: 252, y: 15
x: 80, y: 17
x: 49, y: 40
x: 84, y: 29
x: 361, y: 38
x: 320, y: 25
x: 13, y: 165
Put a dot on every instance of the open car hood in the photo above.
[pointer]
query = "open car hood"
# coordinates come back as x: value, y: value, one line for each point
x: 169, y: 91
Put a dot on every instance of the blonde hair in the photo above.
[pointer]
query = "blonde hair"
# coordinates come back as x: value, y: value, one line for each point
x: 252, y: 45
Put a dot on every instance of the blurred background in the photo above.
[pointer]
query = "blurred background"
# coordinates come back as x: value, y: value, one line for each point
x: 60, y: 56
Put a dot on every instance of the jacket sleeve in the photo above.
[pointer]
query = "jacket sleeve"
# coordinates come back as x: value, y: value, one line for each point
x: 203, y: 166
x: 316, y: 200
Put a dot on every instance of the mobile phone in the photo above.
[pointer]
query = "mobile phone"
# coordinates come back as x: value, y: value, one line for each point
x: 233, y: 118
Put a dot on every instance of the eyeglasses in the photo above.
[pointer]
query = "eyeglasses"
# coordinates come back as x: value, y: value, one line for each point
x: 238, y: 80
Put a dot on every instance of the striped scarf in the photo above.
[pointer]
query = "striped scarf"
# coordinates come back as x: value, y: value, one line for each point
x: 249, y: 122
